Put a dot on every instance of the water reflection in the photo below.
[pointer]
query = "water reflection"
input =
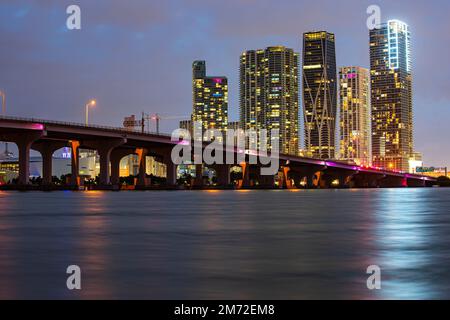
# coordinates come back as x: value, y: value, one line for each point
x: 404, y: 239
x: 226, y: 244
x: 7, y: 248
x: 94, y: 247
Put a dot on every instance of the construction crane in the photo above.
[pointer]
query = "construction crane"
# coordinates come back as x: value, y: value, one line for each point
x: 157, y: 118
x: 146, y: 119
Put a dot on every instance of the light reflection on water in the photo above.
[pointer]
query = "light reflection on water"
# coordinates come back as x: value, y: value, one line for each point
x: 226, y: 244
x: 405, y: 236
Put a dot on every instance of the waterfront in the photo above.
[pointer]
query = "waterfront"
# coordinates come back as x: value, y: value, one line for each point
x: 276, y: 244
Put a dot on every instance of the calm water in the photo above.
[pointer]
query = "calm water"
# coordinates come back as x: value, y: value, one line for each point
x: 226, y: 244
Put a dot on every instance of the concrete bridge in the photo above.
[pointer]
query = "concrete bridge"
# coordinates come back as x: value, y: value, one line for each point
x: 112, y: 144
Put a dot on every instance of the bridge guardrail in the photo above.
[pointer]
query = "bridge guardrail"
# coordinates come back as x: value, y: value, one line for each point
x: 81, y: 125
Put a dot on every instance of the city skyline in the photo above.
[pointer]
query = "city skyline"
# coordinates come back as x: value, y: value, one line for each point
x: 106, y: 91
x: 229, y: 158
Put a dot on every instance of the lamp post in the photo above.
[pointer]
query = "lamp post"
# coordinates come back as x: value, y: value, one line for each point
x: 91, y: 103
x: 156, y: 118
x: 3, y: 95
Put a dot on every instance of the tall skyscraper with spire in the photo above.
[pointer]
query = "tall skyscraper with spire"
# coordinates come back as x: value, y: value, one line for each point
x: 391, y: 93
x: 319, y: 94
x: 269, y: 94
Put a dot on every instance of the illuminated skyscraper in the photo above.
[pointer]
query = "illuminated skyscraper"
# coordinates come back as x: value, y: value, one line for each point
x: 391, y: 93
x: 319, y: 94
x: 355, y: 115
x: 269, y: 94
x: 210, y: 98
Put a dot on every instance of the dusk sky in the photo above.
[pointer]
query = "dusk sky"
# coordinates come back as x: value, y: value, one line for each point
x: 135, y: 56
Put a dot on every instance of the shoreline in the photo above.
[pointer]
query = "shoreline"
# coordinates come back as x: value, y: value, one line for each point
x: 179, y: 188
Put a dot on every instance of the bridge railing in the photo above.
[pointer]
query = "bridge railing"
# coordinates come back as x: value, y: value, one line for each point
x: 82, y: 125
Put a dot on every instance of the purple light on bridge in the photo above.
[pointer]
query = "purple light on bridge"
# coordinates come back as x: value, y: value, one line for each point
x: 37, y: 126
x: 251, y: 152
x: 330, y: 164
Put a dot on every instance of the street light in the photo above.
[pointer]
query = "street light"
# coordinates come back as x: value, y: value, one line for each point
x: 3, y: 95
x: 91, y: 103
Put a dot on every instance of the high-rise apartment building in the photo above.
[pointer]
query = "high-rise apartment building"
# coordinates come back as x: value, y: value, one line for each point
x: 354, y: 115
x: 391, y: 95
x: 319, y: 94
x: 269, y: 94
x: 210, y: 99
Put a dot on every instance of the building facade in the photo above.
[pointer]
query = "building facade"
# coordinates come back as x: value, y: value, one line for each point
x: 391, y: 95
x: 210, y: 99
x: 186, y: 125
x: 354, y: 115
x: 269, y: 94
x: 319, y: 94
x: 234, y: 125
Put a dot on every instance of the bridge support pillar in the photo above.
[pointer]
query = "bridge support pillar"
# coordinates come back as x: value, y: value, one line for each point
x: 104, y: 149
x: 142, y: 180
x: 308, y: 173
x: 115, y: 170
x: 75, y: 163
x: 105, y: 157
x: 47, y: 167
x: 393, y: 182
x: 171, y: 169
x: 416, y: 183
x: 223, y: 175
x: 104, y: 166
x: 310, y: 180
x: 171, y: 173
x: 198, y: 180
x: 24, y: 143
x: 24, y: 162
x: 266, y: 181
x: 116, y: 157
x: 47, y: 148
x: 286, y: 182
x: 336, y: 178
x: 366, y: 180
x: 345, y: 179
x: 245, y: 174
